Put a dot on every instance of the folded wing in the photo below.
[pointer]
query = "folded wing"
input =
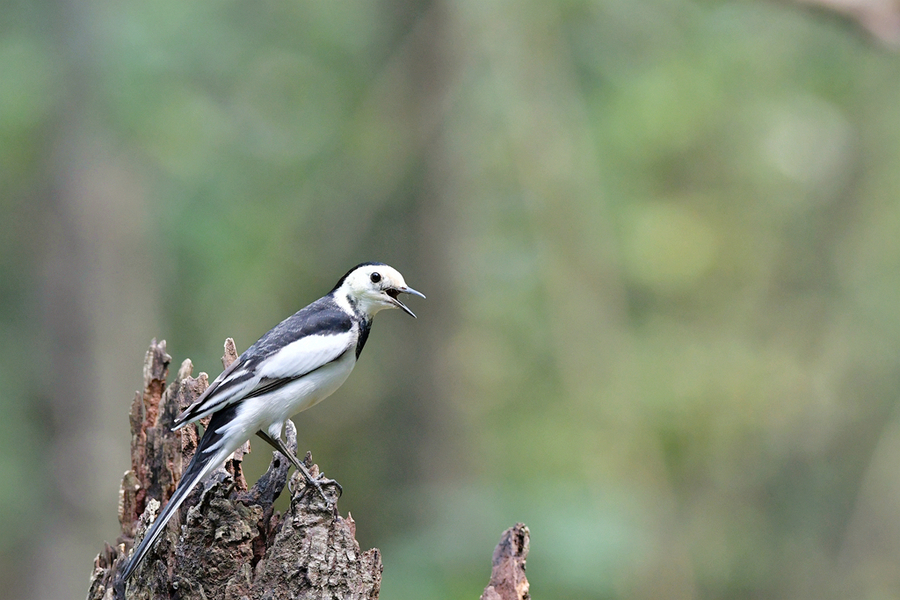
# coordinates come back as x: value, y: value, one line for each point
x: 253, y: 375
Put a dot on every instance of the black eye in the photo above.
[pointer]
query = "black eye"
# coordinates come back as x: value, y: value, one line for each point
x: 375, y: 277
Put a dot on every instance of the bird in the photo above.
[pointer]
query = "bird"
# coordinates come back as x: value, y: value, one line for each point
x: 294, y: 366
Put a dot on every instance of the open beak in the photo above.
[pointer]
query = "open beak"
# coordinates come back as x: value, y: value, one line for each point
x: 394, y: 292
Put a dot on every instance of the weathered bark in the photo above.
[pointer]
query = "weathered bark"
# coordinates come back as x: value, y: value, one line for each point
x: 227, y: 541
x: 508, y: 580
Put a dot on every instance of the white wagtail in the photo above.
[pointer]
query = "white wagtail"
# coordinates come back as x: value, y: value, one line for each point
x: 297, y: 364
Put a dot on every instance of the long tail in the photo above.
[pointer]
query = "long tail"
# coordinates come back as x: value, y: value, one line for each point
x: 211, y: 452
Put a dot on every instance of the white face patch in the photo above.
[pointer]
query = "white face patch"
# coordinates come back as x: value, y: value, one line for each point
x: 369, y: 296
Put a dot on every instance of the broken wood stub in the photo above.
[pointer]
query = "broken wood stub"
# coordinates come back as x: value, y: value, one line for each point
x: 508, y: 581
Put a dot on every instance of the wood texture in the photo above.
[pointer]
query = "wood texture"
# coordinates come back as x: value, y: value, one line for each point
x: 508, y: 581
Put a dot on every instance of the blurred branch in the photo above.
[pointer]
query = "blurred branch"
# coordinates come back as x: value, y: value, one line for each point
x: 508, y: 581
x: 880, y: 18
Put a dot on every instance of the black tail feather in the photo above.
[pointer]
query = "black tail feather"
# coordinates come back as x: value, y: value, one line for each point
x: 201, y: 464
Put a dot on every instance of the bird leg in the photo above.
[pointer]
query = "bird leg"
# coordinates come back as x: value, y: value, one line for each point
x: 278, y: 444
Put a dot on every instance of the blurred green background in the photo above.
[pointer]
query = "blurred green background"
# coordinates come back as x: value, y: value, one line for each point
x: 660, y: 242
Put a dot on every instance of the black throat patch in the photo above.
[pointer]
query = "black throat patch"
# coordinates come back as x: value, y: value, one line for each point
x: 365, y: 325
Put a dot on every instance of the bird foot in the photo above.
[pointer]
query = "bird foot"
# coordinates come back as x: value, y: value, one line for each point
x: 317, y: 483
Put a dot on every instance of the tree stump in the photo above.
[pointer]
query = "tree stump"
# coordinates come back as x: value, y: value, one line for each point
x: 227, y: 540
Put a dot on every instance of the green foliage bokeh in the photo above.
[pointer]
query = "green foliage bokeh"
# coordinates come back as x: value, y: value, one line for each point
x: 658, y: 239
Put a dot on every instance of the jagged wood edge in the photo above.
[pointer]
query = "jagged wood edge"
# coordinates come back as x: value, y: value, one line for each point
x: 508, y: 581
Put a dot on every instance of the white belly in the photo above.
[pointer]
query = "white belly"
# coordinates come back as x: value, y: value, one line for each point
x: 269, y: 411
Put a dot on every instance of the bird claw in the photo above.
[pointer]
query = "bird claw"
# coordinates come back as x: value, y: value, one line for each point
x: 317, y: 483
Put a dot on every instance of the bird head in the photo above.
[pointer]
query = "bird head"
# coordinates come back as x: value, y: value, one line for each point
x: 373, y: 287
